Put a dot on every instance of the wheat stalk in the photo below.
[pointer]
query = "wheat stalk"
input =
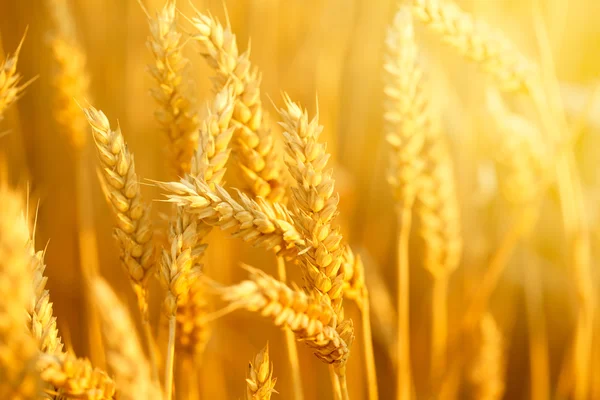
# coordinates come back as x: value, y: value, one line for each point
x: 75, y: 378
x: 124, y: 352
x: 18, y: 376
x: 257, y: 155
x: 11, y: 87
x: 176, y: 111
x: 134, y: 228
x: 477, y: 41
x: 311, y: 318
x: 260, y: 383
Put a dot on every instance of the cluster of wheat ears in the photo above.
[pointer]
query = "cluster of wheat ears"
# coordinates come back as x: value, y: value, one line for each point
x: 288, y: 206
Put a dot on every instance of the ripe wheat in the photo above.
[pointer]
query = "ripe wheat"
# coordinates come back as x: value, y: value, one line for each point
x: 486, y: 370
x: 257, y: 154
x: 134, y: 228
x: 11, y: 87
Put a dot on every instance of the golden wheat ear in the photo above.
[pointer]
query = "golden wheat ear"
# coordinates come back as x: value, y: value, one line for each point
x: 11, y: 87
x: 260, y: 383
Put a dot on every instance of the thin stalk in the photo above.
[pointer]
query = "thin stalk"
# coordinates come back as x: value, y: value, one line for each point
x: 365, y: 314
x: 538, y: 336
x: 403, y: 348
x: 290, y: 342
x: 88, y: 252
x: 151, y: 349
x: 439, y: 327
x: 335, y: 383
x: 170, y: 359
x: 343, y: 384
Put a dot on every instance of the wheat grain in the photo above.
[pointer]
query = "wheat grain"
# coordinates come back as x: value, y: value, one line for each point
x: 124, y: 352
x: 486, y: 371
x: 134, y: 229
x: 256, y: 222
x: 11, y: 87
x: 192, y: 329
x: 257, y: 154
x: 477, y: 41
x: 75, y: 378
x: 18, y: 377
x: 260, y: 383
x: 176, y: 111
x: 312, y: 319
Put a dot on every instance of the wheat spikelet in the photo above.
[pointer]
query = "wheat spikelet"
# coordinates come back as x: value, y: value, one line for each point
x: 176, y: 111
x: 42, y: 322
x: 407, y: 113
x: 256, y: 152
x: 256, y: 222
x: 11, y: 87
x: 314, y: 202
x: 478, y: 42
x: 260, y: 383
x: 312, y: 319
x: 124, y: 352
x: 519, y: 153
x: 71, y: 80
x: 486, y: 372
x: 18, y: 377
x: 75, y: 378
x: 134, y: 230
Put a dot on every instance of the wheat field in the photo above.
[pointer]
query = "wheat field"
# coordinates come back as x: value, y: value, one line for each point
x: 318, y: 199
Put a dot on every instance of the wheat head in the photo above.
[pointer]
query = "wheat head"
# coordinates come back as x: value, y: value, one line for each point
x: 477, y: 41
x: 71, y: 80
x: 124, y: 352
x: 486, y: 370
x: 407, y: 115
x: 176, y: 111
x: 11, y: 87
x: 260, y: 383
x: 311, y: 318
x: 256, y: 152
x: 18, y: 350
x: 257, y: 222
x: 75, y: 378
x: 134, y: 229
x: 314, y: 203
x: 193, y: 331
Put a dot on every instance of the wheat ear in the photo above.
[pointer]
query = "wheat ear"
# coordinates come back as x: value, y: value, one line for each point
x: 477, y: 41
x: 18, y: 350
x: 260, y: 383
x: 256, y: 222
x: 486, y: 370
x: 312, y: 319
x: 124, y: 352
x: 75, y: 378
x: 42, y: 322
x: 176, y: 110
x: 134, y: 229
x: 180, y: 266
x: 255, y: 149
x: 11, y: 86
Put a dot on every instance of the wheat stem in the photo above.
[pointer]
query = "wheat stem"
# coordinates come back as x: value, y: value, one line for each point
x: 403, y: 348
x: 170, y: 359
x: 343, y: 384
x: 365, y: 314
x: 536, y: 328
x: 335, y: 383
x: 439, y: 327
x: 290, y: 342
x: 151, y: 349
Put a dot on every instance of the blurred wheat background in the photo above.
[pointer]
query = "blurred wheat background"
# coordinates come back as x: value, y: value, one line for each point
x: 331, y: 54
